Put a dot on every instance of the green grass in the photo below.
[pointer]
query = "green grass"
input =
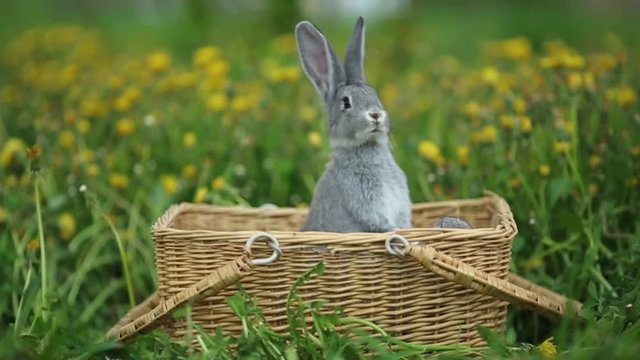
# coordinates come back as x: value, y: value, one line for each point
x: 554, y: 132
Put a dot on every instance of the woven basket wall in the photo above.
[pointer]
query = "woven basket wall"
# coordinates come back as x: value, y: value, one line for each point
x: 394, y: 292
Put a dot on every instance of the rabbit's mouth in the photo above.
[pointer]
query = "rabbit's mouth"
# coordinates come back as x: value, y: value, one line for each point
x: 378, y: 129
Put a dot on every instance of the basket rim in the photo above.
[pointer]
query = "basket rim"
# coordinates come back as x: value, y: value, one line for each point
x: 505, y: 224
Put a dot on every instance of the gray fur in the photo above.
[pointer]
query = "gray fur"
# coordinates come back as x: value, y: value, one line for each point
x: 320, y: 61
x: 354, y: 55
x: 451, y: 223
x: 362, y: 188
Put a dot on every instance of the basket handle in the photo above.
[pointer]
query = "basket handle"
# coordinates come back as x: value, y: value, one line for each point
x: 517, y: 290
x: 151, y: 312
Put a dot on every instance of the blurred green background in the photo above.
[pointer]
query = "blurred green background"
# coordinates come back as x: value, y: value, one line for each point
x: 149, y: 103
x: 456, y: 27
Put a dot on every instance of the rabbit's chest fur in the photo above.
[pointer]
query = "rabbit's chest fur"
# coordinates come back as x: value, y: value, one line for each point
x: 361, y: 192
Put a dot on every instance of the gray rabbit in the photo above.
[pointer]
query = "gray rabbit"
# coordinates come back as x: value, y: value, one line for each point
x: 362, y: 188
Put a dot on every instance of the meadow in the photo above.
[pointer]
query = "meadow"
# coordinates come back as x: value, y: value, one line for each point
x: 105, y: 123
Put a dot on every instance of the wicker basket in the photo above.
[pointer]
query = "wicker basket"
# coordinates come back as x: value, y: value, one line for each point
x: 448, y: 282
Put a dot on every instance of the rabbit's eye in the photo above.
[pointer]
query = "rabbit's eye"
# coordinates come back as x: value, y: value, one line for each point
x: 346, y: 103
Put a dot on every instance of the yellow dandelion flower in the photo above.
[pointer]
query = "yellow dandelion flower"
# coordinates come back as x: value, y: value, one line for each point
x: 33, y: 245
x: 463, y: 154
x: 158, y: 61
x: 66, y: 139
x: 471, y: 109
x: 189, y: 171
x: 428, y: 149
x: 525, y: 124
x: 69, y: 74
x: 561, y: 146
x: 93, y: 107
x: 314, y: 138
x: 517, y: 48
x: 519, y: 105
x: 593, y: 188
x: 635, y: 151
x: 487, y: 134
x: 215, y: 83
x: 490, y: 75
x: 200, y: 195
x: 205, y: 55
x: 127, y: 99
x: 87, y: 155
x: 241, y: 103
x: 574, y: 80
x: 189, y: 139
x: 66, y: 225
x: 431, y: 152
x: 544, y: 170
x: 92, y: 170
x: 12, y: 147
x: 291, y: 73
x: 548, y: 349
x: 125, y: 127
x: 307, y: 113
x: 506, y: 121
x: 594, y: 161
x: 118, y: 180
x: 218, y: 183
x: 218, y: 69
x: 276, y: 73
x: 573, y: 61
x: 217, y: 102
x: 626, y: 96
x: 169, y: 183
x: 550, y: 62
x: 271, y: 71
x: 83, y: 126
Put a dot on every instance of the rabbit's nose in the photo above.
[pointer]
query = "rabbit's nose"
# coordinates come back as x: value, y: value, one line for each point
x: 375, y: 117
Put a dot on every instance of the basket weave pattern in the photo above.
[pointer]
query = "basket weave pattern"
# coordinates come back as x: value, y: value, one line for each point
x: 360, y: 276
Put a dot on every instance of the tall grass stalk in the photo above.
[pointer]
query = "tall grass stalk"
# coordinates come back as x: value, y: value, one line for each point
x: 43, y: 252
x: 123, y: 259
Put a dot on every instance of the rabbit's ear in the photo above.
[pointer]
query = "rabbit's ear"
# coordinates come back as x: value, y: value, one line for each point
x: 354, y: 57
x: 318, y: 59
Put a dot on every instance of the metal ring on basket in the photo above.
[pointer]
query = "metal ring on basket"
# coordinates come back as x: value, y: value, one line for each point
x: 396, y: 244
x: 271, y: 241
